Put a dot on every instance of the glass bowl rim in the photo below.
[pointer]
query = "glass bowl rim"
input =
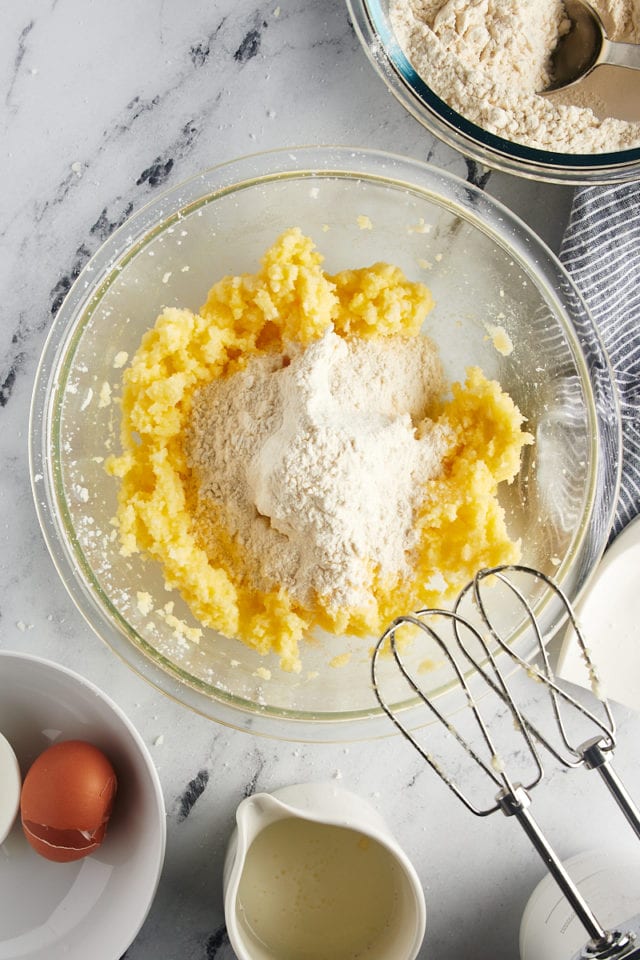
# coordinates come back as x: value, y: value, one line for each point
x: 466, y: 137
x: 219, y: 180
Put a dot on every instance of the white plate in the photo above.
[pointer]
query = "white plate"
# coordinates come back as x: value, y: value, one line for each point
x: 93, y: 907
x: 609, y: 616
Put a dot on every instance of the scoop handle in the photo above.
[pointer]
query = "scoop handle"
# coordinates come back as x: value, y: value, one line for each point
x: 618, y: 54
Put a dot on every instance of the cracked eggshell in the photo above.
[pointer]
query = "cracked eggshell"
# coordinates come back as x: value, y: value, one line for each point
x: 66, y: 800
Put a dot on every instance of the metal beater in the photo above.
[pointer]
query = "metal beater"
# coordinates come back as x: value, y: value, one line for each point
x: 478, y: 643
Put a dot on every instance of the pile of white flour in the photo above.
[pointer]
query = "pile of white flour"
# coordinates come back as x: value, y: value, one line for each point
x: 489, y: 58
x: 315, y: 463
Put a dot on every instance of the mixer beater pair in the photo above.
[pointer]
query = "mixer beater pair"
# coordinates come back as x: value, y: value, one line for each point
x: 474, y: 645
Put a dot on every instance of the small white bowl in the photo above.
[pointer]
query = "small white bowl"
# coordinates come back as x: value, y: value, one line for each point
x: 96, y: 906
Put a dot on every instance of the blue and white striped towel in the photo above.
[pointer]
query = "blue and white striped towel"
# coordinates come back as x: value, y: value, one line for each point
x: 601, y: 251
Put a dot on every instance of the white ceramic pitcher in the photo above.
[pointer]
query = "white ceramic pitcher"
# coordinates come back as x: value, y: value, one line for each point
x: 305, y: 809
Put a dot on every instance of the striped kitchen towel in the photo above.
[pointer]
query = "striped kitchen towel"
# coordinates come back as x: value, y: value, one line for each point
x: 601, y: 251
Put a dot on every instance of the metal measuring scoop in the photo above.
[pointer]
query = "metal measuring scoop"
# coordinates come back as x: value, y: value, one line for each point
x: 586, y: 46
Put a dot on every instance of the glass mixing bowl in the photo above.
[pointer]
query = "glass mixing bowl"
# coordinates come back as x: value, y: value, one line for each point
x: 373, y: 26
x: 484, y: 267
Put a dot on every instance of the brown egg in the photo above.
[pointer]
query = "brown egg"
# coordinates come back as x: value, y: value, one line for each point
x: 66, y: 800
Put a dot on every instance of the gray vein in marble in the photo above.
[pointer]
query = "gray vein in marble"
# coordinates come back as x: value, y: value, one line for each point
x: 19, y: 57
x: 215, y: 942
x: 101, y: 229
x: 250, y: 45
x: 63, y: 285
x: 16, y: 357
x: 104, y: 227
x: 194, y: 790
x: 182, y: 142
x: 477, y: 175
x: 158, y: 171
x: 134, y: 109
x: 416, y: 776
x: 199, y: 52
x: 251, y: 785
x: 9, y: 378
x: 60, y: 194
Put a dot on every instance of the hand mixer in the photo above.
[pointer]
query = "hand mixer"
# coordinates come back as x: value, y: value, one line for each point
x: 478, y: 643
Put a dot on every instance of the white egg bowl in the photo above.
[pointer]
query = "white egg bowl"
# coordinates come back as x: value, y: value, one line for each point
x: 93, y: 907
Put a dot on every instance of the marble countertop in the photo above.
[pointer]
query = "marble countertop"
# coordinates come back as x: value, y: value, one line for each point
x: 103, y: 105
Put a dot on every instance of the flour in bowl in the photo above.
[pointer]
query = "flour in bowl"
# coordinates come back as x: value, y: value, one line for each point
x: 489, y: 58
x: 278, y: 459
x: 317, y: 462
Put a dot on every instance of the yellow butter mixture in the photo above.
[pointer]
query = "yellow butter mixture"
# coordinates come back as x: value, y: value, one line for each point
x: 241, y: 495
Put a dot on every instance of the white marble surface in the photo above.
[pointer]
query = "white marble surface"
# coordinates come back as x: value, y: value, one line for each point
x: 102, y: 105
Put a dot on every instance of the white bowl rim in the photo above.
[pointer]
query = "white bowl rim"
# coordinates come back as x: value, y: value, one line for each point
x: 145, y: 755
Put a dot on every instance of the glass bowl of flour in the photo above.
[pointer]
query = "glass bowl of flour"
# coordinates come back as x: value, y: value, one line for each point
x: 471, y: 74
x: 502, y: 303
